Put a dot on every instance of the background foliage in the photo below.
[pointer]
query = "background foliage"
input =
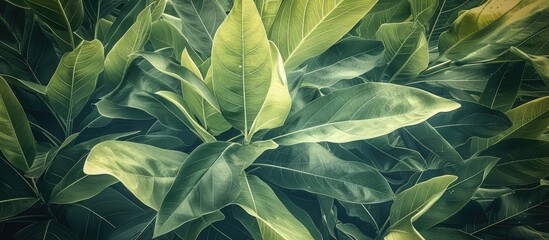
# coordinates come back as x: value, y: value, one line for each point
x: 274, y: 119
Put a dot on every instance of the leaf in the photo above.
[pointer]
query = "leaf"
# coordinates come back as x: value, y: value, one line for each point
x: 434, y: 148
x: 446, y: 233
x: 347, y: 59
x: 206, y: 182
x: 487, y: 31
x: 312, y: 168
x: 388, y: 11
x: 303, y: 28
x: 471, y: 174
x: 268, y: 10
x: 192, y: 229
x: 472, y: 77
x: 166, y: 35
x: 17, y: 194
x: 423, y: 11
x: 74, y: 80
x: 523, y: 161
x: 405, y: 49
x: 61, y: 19
x: 355, y: 113
x: 15, y: 133
x: 509, y: 206
x: 529, y: 121
x: 242, y: 70
x: 502, y: 87
x: 29, y: 86
x: 541, y: 64
x: 352, y: 231
x: 274, y: 219
x: 445, y: 14
x: 413, y: 202
x: 50, y: 229
x: 146, y: 171
x: 121, y: 55
x: 200, y: 19
x: 138, y: 227
x: 41, y: 163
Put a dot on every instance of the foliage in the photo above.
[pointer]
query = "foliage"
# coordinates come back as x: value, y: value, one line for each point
x: 274, y: 119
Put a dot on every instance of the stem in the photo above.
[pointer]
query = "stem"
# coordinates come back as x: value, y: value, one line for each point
x: 235, y: 137
x: 436, y: 67
x: 47, y: 134
x: 68, y: 129
x: 36, y: 191
x: 382, y: 229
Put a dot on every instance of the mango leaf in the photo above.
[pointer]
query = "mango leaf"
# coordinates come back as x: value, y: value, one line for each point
x: 17, y: 195
x: 303, y: 28
x: 242, y: 68
x: 354, y: 113
x: 50, y: 229
x: 147, y: 171
x: 61, y: 19
x: 209, y: 117
x: 434, y: 148
x: 487, y: 31
x: 310, y: 167
x: 413, y: 202
x: 206, y: 182
x: 406, y: 51
x: 200, y: 19
x: 523, y: 161
x: 349, y: 58
x: 388, y: 11
x: 529, y: 121
x: 503, y: 86
x: 446, y: 233
x: 74, y: 80
x: 122, y: 53
x: 268, y: 10
x: 15, y: 133
x: 274, y: 219
x: 541, y: 64
x: 423, y: 11
x: 471, y: 174
x: 510, y: 205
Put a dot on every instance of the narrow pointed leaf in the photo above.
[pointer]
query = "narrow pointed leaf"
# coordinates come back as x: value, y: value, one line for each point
x: 17, y: 194
x: 503, y: 86
x: 541, y: 64
x: 388, y: 11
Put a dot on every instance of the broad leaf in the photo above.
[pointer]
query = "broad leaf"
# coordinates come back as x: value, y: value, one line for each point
x: 305, y: 28
x: 541, y: 64
x: 192, y: 229
x: 206, y: 182
x: 17, y: 194
x: 268, y: 10
x: 503, y: 86
x: 139, y: 227
x: 446, y: 233
x: 405, y: 50
x: 349, y: 58
x: 355, y: 113
x: 74, y: 80
x: 312, y: 168
x: 122, y: 53
x: 523, y: 161
x: 15, y: 133
x: 200, y: 19
x: 447, y: 11
x: 50, y: 229
x: 351, y: 231
x: 147, y: 171
x: 486, y: 32
x: 274, y: 219
x: 423, y: 10
x: 410, y: 204
x: 387, y: 11
x: 165, y: 35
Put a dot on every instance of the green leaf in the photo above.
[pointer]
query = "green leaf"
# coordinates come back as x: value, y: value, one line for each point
x: 61, y: 19
x: 200, y: 19
x: 41, y: 163
x: 274, y: 219
x: 268, y: 10
x: 503, y: 86
x: 206, y: 182
x: 147, y: 171
x: 137, y: 228
x: 304, y: 28
x: 541, y: 64
x: 487, y: 31
x: 523, y: 161
x: 211, y: 118
x: 423, y: 10
x: 15, y: 133
x: 50, y: 229
x: 349, y: 58
x: 471, y: 174
x: 413, y: 202
x: 447, y: 11
x: 355, y: 113
x: 406, y: 51
x: 388, y: 11
x: 16, y: 194
x: 245, y: 80
x: 446, y: 233
x: 74, y: 80
x: 529, y: 121
x: 192, y: 229
x: 165, y: 35
x: 312, y: 168
x: 352, y: 231
x: 122, y: 53
x: 29, y: 86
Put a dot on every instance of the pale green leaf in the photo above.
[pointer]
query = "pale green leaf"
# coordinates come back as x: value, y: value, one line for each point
x: 387, y: 11
x: 268, y: 10
x: 165, y: 35
x: 305, y: 28
x: 423, y: 10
